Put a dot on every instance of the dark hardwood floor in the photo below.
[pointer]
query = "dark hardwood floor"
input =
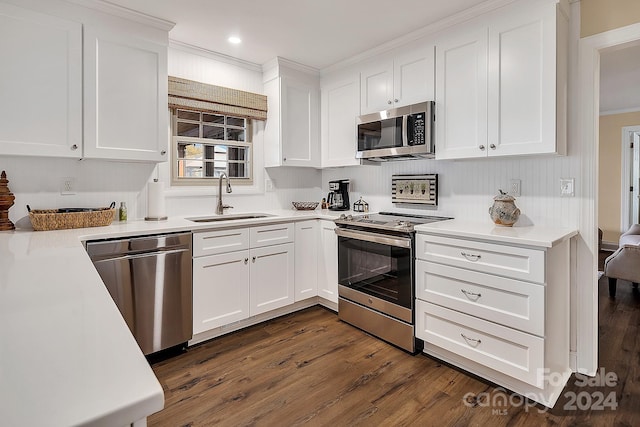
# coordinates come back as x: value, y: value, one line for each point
x: 308, y: 368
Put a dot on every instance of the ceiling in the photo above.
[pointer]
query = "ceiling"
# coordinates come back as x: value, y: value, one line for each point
x: 316, y: 33
x: 320, y: 33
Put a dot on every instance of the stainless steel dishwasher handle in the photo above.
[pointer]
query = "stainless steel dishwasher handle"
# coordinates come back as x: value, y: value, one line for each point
x: 141, y: 255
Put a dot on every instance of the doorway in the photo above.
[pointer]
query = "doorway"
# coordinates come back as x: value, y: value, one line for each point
x: 630, y: 191
x: 586, y: 131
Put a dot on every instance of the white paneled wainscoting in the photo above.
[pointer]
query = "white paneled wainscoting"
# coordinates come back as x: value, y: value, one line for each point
x: 467, y: 187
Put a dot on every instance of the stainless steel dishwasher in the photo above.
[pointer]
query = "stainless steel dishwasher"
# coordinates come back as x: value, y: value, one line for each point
x: 149, y: 278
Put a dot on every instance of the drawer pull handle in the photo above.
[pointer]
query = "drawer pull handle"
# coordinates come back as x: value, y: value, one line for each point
x: 471, y: 295
x: 471, y: 341
x: 471, y: 257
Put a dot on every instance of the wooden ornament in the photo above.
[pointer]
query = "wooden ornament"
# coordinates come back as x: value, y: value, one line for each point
x: 6, y: 201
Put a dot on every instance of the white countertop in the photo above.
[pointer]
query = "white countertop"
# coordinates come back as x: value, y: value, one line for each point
x: 66, y: 355
x: 531, y: 235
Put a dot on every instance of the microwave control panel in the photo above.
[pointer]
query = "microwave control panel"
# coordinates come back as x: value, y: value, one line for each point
x: 417, y: 128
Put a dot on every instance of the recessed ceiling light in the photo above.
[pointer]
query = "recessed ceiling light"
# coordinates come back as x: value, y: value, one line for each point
x: 234, y: 40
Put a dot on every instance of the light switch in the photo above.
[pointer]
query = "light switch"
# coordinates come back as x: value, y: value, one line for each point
x: 567, y: 187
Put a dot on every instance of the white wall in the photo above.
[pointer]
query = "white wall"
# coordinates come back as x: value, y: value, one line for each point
x: 290, y: 184
x: 467, y: 188
x: 36, y: 181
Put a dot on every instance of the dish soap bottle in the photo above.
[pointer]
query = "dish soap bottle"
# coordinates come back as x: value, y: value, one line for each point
x: 122, y: 212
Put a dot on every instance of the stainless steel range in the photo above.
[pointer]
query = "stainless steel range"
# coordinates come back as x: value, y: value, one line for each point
x: 376, y: 274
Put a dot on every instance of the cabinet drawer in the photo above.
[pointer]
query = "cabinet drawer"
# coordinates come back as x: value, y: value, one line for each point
x: 220, y: 241
x: 273, y: 234
x: 511, y: 303
x: 506, y: 350
x: 508, y: 261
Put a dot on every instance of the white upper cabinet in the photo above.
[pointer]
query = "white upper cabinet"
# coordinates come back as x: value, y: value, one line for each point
x: 40, y: 84
x: 461, y: 93
x: 125, y: 96
x: 376, y: 86
x: 501, y: 83
x: 340, y: 106
x: 92, y: 84
x: 402, y: 78
x: 292, y: 129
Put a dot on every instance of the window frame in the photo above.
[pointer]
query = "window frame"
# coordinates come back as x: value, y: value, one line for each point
x: 208, y: 181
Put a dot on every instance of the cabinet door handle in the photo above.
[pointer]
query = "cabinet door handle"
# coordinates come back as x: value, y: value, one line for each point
x: 246, y: 261
x: 492, y: 146
x: 74, y: 147
x: 481, y: 147
x: 471, y: 295
x: 253, y: 259
x: 389, y: 102
x: 163, y: 152
x: 395, y: 100
x: 471, y: 341
x: 471, y: 257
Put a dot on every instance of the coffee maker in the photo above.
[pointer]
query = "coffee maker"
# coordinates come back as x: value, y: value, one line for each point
x: 338, y: 198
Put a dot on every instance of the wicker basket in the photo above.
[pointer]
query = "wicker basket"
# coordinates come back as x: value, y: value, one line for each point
x: 305, y: 206
x: 51, y: 219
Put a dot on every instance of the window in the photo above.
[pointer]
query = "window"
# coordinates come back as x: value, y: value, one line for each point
x: 207, y: 144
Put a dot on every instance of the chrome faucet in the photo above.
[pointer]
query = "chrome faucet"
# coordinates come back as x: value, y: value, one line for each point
x: 220, y: 207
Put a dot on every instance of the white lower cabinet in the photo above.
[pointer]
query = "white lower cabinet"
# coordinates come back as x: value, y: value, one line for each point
x: 220, y: 290
x: 506, y: 350
x: 237, y: 273
x: 500, y: 311
x: 306, y: 259
x: 271, y: 278
x: 328, y: 262
x: 242, y: 276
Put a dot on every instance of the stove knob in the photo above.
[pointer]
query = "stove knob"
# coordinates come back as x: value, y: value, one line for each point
x: 342, y: 216
x: 349, y: 217
x: 404, y: 223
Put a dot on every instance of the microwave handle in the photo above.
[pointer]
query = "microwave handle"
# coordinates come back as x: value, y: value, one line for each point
x: 405, y: 133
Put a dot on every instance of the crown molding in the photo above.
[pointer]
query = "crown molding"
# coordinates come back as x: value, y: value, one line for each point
x: 216, y: 56
x: 620, y: 111
x: 443, y: 24
x: 123, y: 12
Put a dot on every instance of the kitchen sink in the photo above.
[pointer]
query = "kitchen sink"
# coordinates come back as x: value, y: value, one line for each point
x: 236, y: 217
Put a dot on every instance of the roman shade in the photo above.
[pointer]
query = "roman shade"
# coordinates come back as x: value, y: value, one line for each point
x: 192, y: 95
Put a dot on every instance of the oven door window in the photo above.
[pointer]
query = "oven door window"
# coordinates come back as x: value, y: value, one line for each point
x: 385, y: 133
x: 379, y: 270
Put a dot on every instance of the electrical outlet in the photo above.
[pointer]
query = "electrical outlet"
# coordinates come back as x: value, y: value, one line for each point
x: 268, y: 185
x: 68, y: 186
x: 567, y: 187
x: 514, y: 187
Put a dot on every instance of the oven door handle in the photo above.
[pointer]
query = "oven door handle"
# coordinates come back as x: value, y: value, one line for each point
x: 400, y: 242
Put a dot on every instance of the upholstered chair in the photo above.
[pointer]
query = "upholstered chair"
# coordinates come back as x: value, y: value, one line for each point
x: 625, y: 262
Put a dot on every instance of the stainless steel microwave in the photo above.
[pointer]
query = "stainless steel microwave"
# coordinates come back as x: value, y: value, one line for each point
x: 397, y: 134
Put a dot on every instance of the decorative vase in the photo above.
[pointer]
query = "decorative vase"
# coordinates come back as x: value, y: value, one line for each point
x: 6, y: 201
x: 504, y: 210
